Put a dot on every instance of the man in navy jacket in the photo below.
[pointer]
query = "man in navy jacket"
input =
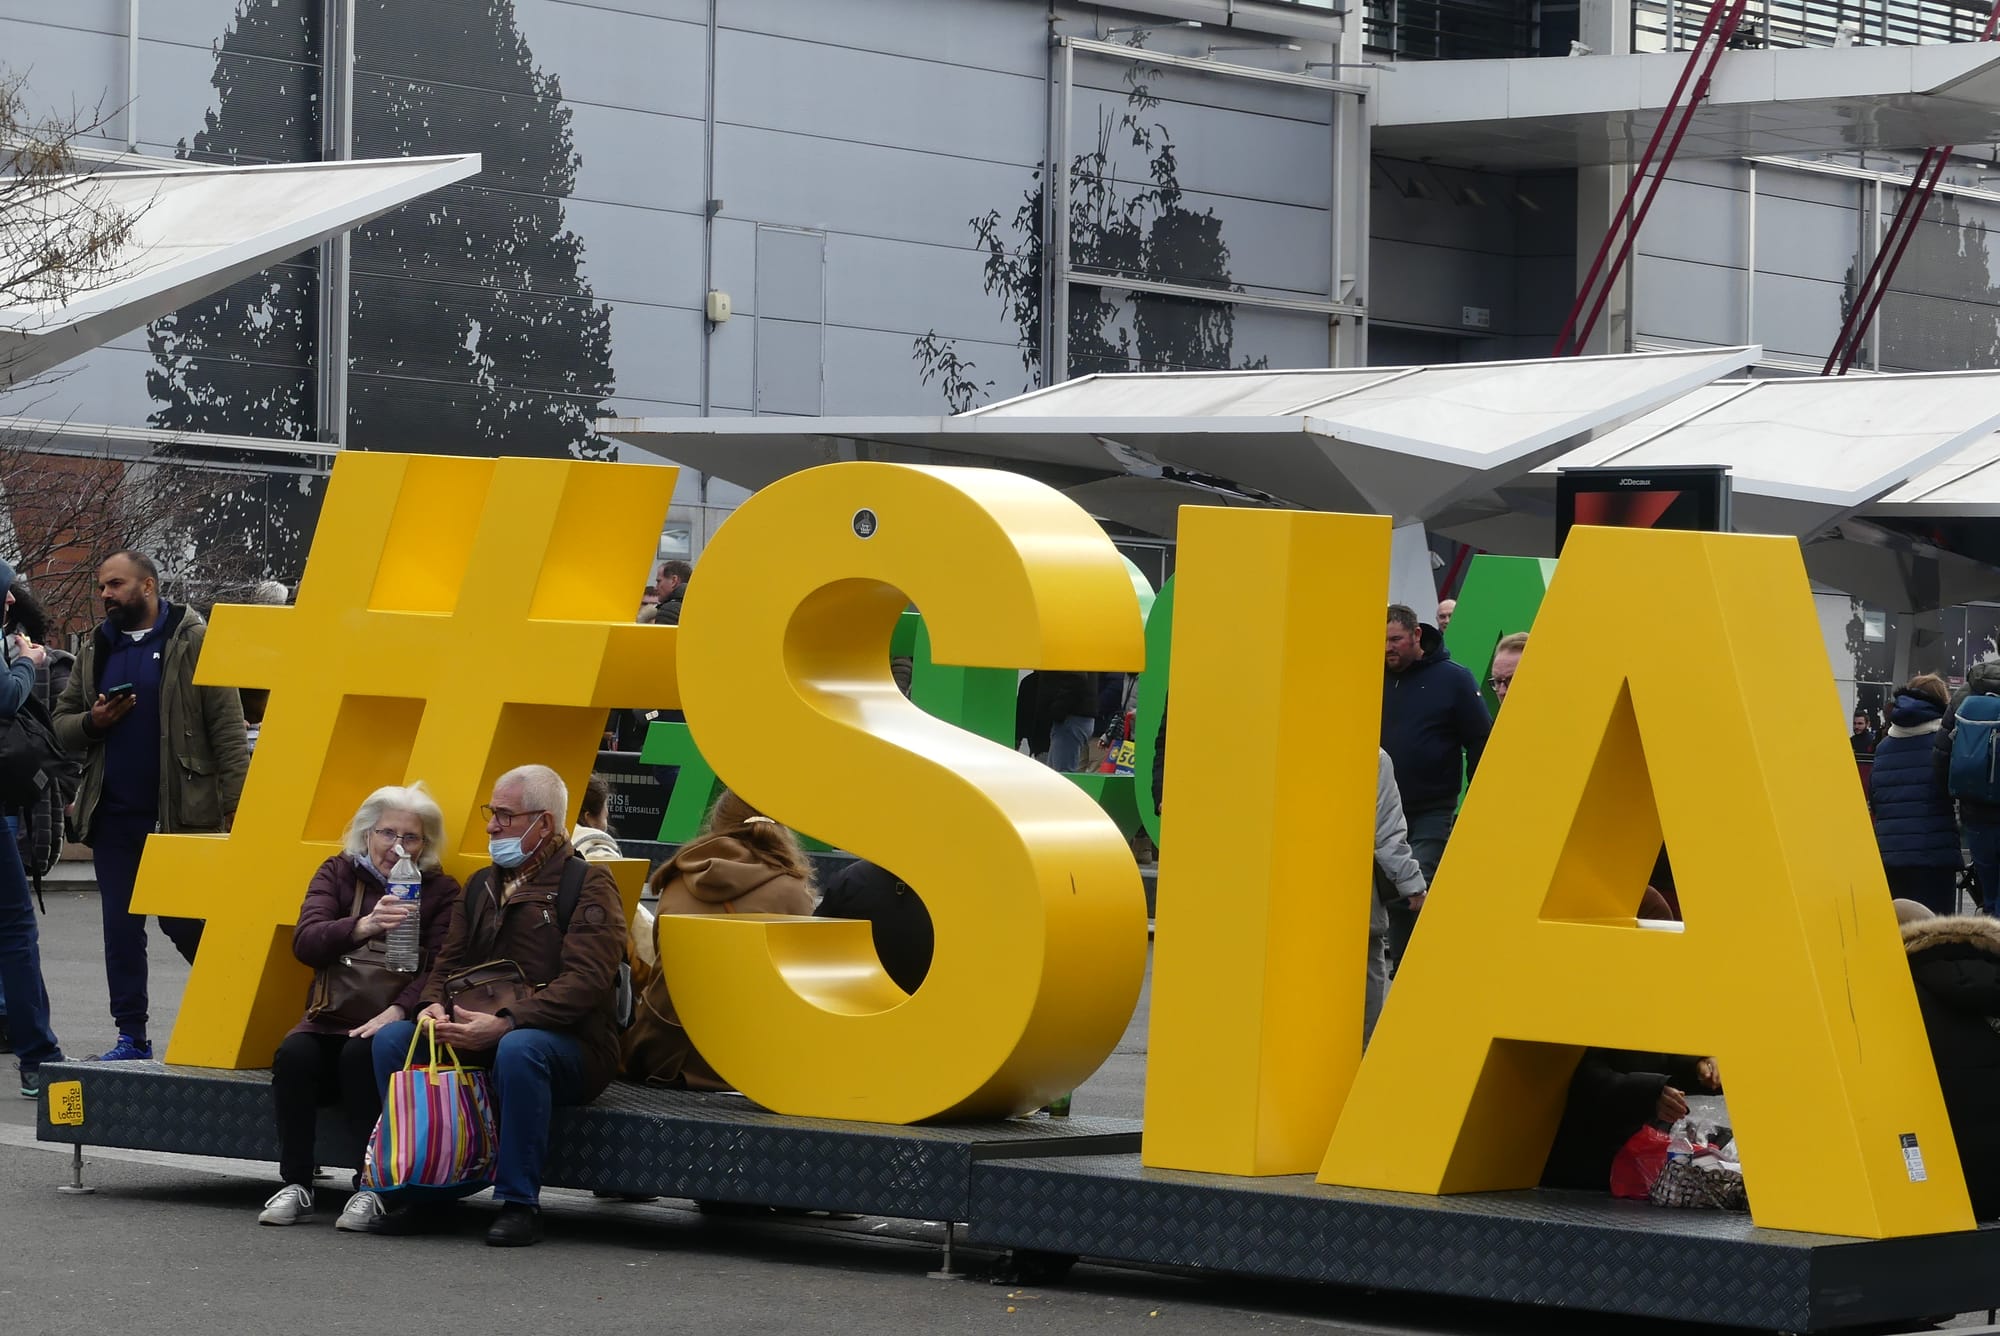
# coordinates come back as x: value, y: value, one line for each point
x: 1434, y: 726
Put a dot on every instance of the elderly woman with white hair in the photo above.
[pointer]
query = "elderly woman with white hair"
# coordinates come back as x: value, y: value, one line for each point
x: 341, y: 933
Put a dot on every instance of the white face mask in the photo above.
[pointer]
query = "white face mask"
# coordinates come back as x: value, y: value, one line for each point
x: 506, y: 850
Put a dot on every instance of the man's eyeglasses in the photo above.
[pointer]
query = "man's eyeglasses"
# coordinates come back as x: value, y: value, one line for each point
x: 1500, y: 683
x: 407, y: 838
x: 503, y: 815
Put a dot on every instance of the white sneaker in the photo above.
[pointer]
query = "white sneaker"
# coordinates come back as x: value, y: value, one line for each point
x: 291, y: 1205
x: 363, y: 1209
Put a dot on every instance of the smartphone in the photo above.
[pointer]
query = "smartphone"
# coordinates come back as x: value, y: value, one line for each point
x: 122, y: 689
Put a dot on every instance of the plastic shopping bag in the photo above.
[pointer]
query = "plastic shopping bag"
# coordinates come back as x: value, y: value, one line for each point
x: 1639, y: 1163
x: 436, y: 1135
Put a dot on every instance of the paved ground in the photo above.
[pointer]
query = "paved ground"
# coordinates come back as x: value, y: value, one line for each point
x: 169, y: 1245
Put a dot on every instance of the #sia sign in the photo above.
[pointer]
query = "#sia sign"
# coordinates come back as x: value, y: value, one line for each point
x: 490, y: 578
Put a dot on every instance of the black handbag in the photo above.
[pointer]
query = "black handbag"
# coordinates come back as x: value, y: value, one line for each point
x: 356, y: 988
x: 28, y: 749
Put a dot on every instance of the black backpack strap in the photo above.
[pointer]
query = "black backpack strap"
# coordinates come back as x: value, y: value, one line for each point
x: 572, y: 889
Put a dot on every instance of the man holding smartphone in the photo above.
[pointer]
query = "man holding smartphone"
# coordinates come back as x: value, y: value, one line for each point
x: 159, y: 753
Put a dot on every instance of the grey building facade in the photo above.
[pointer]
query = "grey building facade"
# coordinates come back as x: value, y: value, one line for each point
x: 864, y: 182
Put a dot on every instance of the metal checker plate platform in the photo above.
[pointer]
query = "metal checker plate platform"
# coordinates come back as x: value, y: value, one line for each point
x: 1558, y: 1249
x: 632, y: 1139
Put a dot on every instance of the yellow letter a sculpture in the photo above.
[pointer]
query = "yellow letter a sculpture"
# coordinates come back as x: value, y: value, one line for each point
x: 1675, y: 682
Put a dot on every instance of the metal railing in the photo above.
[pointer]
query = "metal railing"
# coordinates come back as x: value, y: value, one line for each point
x: 1673, y: 25
x: 1450, y: 29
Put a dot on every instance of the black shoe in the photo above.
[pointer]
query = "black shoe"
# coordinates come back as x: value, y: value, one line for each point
x: 518, y: 1226
x: 31, y: 1083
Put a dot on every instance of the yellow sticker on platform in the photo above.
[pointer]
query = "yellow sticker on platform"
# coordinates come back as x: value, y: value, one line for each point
x: 66, y: 1103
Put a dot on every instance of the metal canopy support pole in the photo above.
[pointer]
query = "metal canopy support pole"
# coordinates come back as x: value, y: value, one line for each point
x: 132, y: 75
x: 1875, y: 285
x: 1055, y: 231
x: 1875, y: 327
x: 1336, y: 220
x: 1648, y: 175
x: 1902, y: 230
x: 1750, y: 261
x: 1364, y: 154
x: 336, y: 145
x: 1348, y: 226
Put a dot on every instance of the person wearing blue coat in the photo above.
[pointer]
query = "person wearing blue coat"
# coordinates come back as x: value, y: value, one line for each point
x: 1910, y: 799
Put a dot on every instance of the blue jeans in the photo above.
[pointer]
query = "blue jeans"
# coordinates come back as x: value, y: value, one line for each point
x: 1983, y: 843
x: 13, y: 824
x: 21, y: 963
x: 1069, y: 742
x: 533, y: 1071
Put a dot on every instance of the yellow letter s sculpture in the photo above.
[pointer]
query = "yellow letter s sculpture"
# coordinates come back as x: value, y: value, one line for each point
x: 1037, y: 906
x: 1675, y: 683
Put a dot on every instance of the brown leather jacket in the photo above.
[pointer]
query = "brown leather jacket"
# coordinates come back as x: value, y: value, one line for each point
x: 575, y: 973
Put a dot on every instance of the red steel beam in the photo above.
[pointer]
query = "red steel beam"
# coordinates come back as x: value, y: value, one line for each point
x: 1903, y: 227
x: 1648, y: 175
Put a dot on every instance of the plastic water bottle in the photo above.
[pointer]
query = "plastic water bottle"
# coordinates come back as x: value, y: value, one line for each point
x: 401, y: 947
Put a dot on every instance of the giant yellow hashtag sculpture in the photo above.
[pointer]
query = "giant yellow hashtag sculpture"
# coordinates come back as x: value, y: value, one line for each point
x: 457, y: 617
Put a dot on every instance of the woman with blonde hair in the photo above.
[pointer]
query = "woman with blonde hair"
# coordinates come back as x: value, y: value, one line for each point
x: 742, y: 862
x: 341, y: 926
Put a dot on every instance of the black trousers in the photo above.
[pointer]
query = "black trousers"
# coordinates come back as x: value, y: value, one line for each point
x: 313, y: 1070
x: 1429, y: 830
x: 1935, y: 888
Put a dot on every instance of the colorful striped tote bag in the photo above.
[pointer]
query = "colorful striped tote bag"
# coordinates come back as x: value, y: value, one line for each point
x: 436, y: 1135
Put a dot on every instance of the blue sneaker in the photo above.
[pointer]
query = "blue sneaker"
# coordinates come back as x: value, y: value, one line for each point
x: 31, y: 1082
x: 127, y: 1049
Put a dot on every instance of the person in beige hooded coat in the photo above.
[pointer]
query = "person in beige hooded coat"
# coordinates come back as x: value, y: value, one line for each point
x: 742, y: 862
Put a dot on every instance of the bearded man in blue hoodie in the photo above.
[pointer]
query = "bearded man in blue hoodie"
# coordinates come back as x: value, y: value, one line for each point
x: 160, y: 754
x: 1434, y: 727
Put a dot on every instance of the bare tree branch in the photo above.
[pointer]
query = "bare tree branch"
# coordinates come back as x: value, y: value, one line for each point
x: 59, y: 233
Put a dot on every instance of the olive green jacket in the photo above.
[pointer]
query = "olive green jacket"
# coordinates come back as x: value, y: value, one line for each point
x: 204, y: 752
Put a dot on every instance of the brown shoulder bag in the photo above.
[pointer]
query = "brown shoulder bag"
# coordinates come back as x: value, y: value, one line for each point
x: 357, y: 987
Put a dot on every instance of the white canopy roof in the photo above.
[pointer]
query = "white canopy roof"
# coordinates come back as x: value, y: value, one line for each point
x: 1965, y: 485
x: 1802, y: 453
x: 1404, y: 441
x: 195, y: 230
x: 1530, y: 114
x: 1808, y: 457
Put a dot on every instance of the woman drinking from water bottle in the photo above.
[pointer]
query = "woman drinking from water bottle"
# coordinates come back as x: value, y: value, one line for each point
x: 342, y: 932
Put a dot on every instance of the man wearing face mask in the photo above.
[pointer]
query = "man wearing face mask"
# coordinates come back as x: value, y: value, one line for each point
x: 551, y: 1035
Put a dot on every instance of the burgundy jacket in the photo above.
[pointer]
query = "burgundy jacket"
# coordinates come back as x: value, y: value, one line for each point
x: 326, y: 925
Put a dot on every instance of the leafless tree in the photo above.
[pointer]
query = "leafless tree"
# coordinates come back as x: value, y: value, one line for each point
x: 61, y: 514
x: 62, y: 509
x: 59, y: 234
